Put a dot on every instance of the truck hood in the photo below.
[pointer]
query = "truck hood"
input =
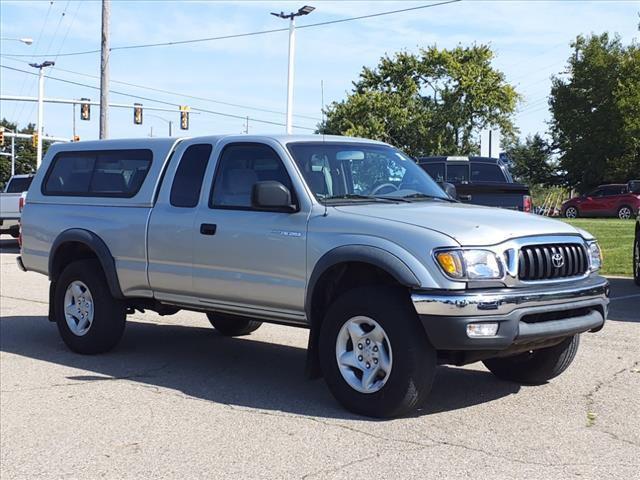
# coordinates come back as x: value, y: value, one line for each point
x: 469, y: 225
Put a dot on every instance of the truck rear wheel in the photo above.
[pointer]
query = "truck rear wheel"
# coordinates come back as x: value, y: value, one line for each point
x: 374, y: 353
x: 538, y: 366
x: 89, y: 319
x: 231, y: 326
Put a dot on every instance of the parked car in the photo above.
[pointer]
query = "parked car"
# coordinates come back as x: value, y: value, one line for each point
x: 346, y: 237
x: 614, y: 200
x: 636, y: 252
x: 10, y: 204
x: 479, y: 180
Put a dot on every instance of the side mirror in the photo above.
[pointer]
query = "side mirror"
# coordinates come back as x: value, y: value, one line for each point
x: 271, y: 195
x: 449, y: 189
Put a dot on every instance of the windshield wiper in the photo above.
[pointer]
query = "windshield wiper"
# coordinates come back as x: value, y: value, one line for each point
x: 429, y: 197
x: 356, y: 196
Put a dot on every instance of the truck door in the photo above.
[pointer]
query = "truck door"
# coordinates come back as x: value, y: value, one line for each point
x: 247, y: 260
x: 171, y: 226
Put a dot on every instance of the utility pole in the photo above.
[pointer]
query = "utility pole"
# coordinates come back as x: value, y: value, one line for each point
x: 74, y: 121
x: 170, y: 128
x: 306, y: 10
x: 104, y: 70
x: 40, y: 68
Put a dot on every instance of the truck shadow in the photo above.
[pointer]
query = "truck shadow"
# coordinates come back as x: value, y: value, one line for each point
x: 625, y: 298
x: 241, y: 372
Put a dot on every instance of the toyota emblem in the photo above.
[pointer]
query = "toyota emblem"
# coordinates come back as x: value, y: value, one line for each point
x: 558, y: 260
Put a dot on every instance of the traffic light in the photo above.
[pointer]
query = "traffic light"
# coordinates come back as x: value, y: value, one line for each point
x: 1, y: 136
x: 184, y: 117
x: 34, y: 140
x: 85, y: 109
x: 137, y: 113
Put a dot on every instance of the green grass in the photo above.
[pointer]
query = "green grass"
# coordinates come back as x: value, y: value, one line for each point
x: 616, y: 241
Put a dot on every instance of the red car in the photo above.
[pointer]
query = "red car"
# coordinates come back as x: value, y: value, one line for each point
x: 614, y: 200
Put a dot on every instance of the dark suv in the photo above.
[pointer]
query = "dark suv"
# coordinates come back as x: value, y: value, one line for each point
x: 614, y: 200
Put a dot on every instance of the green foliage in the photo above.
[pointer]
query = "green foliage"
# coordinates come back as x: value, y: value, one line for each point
x: 25, y: 153
x: 435, y: 102
x: 532, y: 163
x: 596, y: 112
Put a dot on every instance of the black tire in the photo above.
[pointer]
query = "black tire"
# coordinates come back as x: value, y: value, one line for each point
x: 568, y: 212
x: 636, y: 258
x: 625, y: 212
x: 231, y: 326
x: 109, y: 315
x: 538, y: 366
x: 413, y: 357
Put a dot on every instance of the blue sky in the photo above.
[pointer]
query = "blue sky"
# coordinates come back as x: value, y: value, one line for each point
x: 531, y: 40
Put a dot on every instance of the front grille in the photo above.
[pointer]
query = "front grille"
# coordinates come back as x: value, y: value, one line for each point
x: 544, y: 262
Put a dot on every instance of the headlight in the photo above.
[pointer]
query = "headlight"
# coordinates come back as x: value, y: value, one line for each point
x: 595, y: 256
x: 469, y: 264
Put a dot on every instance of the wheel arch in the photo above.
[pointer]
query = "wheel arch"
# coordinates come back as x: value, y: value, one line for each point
x: 346, y: 265
x: 76, y: 243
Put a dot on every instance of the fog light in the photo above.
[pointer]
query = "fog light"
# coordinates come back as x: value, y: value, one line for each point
x: 482, y: 329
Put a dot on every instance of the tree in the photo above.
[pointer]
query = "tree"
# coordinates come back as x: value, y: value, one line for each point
x: 25, y: 152
x: 435, y: 102
x: 596, y: 112
x: 531, y: 162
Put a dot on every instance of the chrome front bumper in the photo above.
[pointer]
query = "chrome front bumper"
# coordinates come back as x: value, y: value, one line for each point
x: 523, y: 315
x: 594, y: 290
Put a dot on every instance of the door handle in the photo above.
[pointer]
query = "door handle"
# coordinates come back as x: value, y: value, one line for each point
x: 208, y: 228
x: 464, y: 198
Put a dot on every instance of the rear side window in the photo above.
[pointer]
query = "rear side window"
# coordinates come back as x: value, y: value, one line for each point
x: 458, y: 173
x: 486, y: 172
x: 19, y: 185
x: 435, y: 170
x: 106, y: 173
x: 187, y: 182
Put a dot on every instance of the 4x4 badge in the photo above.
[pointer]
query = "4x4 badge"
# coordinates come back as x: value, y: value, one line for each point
x: 558, y: 260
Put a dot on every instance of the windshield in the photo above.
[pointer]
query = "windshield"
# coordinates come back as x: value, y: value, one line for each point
x: 361, y: 171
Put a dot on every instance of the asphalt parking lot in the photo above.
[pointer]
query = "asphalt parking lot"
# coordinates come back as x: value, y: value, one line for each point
x: 176, y: 400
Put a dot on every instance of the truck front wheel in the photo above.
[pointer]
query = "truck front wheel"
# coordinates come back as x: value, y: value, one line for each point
x: 89, y: 319
x: 231, y: 326
x: 374, y: 353
x: 537, y: 366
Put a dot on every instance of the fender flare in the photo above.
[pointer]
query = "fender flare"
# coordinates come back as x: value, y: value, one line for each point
x: 97, y: 245
x: 376, y: 256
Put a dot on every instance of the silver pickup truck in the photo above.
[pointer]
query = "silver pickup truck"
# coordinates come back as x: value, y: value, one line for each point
x: 346, y: 237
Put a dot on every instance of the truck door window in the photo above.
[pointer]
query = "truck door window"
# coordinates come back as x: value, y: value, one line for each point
x: 240, y: 167
x: 435, y: 170
x: 458, y: 173
x: 187, y: 182
x: 486, y: 172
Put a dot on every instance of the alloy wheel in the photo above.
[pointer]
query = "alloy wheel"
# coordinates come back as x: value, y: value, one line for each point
x: 78, y: 308
x: 363, y: 353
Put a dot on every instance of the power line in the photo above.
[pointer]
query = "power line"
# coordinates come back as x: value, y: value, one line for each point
x: 250, y: 34
x: 178, y: 94
x: 196, y: 109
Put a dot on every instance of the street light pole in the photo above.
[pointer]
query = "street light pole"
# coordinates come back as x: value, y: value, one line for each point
x: 13, y: 156
x: 104, y: 70
x: 40, y: 68
x: 25, y: 40
x: 306, y: 10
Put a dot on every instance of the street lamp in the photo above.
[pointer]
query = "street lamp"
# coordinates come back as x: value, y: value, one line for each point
x: 41, y: 68
x: 25, y: 40
x: 306, y: 10
x: 168, y: 122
